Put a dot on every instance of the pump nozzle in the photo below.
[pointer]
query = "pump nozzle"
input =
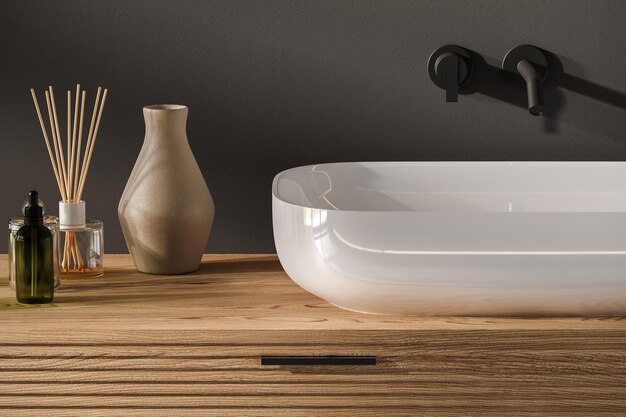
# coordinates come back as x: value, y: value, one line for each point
x: 33, y: 198
x: 33, y: 212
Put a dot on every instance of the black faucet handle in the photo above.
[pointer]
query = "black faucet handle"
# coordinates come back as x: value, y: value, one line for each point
x: 450, y: 68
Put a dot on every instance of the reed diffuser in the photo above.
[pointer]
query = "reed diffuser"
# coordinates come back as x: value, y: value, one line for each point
x: 82, y: 250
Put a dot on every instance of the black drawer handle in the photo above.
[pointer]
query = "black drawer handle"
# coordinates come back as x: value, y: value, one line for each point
x: 318, y: 360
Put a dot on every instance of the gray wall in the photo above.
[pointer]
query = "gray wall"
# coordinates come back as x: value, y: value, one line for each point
x: 272, y: 85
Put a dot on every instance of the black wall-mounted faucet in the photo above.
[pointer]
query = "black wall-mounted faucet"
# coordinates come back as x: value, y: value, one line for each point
x: 531, y: 64
x: 450, y: 68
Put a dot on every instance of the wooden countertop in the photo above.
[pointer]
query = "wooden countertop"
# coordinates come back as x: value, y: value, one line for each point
x: 228, y: 292
x: 148, y: 344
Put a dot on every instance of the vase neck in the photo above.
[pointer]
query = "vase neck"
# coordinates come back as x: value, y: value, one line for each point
x: 166, y: 122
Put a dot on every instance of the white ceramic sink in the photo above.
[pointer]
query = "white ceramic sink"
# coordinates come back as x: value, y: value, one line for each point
x: 456, y: 238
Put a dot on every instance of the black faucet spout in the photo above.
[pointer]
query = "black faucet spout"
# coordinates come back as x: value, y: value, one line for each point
x: 531, y: 64
x: 534, y: 86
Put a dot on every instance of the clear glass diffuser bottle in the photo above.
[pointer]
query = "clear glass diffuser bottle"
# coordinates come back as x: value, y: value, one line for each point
x: 82, y: 242
x: 15, y: 224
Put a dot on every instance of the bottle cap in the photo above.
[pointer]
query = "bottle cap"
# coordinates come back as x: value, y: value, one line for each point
x: 27, y: 202
x: 72, y: 215
x: 33, y: 212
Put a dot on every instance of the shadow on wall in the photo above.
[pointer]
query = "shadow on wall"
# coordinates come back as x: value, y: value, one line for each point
x: 606, y: 103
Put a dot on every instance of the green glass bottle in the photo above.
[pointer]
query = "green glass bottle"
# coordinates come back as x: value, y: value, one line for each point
x: 34, y: 262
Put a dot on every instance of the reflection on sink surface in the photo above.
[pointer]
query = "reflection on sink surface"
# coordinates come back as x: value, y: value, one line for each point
x: 456, y: 238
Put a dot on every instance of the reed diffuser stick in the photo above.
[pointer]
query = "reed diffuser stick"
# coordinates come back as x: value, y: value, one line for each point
x: 89, y: 136
x: 59, y: 140
x: 81, y: 186
x: 56, y: 147
x: 45, y: 137
x: 69, y: 139
x: 73, y: 152
x: 80, y: 137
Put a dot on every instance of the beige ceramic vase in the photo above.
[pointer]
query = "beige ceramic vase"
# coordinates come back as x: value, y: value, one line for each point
x: 166, y: 210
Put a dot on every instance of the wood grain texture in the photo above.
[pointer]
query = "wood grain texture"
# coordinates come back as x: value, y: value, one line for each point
x: 140, y: 345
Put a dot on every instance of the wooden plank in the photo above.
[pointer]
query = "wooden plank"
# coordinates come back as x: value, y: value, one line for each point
x: 478, y: 336
x: 453, y: 343
x: 486, y: 368
x: 494, y: 379
x: 541, y: 400
x: 528, y: 391
x: 299, y: 412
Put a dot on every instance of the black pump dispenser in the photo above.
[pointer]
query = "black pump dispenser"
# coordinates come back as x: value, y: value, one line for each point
x: 33, y: 212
